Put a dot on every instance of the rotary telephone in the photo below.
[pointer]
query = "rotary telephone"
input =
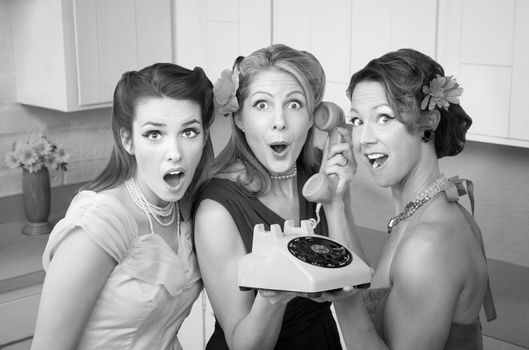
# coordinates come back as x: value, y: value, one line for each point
x: 295, y: 258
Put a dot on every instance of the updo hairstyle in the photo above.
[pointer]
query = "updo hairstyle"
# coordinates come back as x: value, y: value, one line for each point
x: 403, y: 74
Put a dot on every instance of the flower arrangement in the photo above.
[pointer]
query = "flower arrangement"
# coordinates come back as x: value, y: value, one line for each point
x: 225, y: 90
x: 33, y: 155
x: 441, y: 92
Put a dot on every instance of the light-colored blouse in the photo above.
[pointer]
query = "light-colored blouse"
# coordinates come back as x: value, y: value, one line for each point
x: 151, y: 289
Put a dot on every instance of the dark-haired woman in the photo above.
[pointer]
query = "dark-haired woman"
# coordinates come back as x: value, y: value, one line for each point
x: 120, y: 268
x: 431, y: 280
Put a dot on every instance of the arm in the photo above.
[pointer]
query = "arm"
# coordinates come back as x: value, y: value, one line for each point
x: 249, y: 321
x: 340, y: 165
x: 420, y: 307
x: 74, y: 279
x: 342, y: 226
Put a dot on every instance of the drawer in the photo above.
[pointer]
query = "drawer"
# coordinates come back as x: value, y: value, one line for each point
x: 18, y: 313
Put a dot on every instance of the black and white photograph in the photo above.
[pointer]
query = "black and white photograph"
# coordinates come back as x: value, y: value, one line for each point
x: 264, y: 174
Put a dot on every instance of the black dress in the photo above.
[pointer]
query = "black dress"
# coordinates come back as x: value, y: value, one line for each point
x: 307, y: 325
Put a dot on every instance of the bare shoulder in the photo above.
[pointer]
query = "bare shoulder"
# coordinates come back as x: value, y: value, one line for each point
x: 439, y: 243
x: 215, y: 229
x: 209, y: 209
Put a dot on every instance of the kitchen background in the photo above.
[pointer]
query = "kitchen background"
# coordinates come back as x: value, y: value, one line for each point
x: 60, y: 60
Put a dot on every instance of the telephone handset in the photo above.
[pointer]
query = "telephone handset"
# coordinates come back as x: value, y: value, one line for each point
x: 327, y: 117
x: 296, y: 259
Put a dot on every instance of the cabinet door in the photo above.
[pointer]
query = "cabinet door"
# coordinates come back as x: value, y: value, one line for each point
x: 345, y: 35
x: 117, y: 36
x: 519, y: 122
x: 490, y: 63
x: 41, y: 57
x: 69, y: 54
x: 212, y: 33
x: 322, y: 28
x: 18, y: 313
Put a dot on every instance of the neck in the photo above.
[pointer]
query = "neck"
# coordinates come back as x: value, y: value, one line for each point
x: 149, y: 196
x: 284, y: 187
x: 423, y: 173
x: 409, y: 188
x: 431, y: 191
x: 289, y: 175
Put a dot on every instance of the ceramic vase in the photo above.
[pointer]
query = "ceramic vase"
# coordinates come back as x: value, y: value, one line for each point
x: 37, y: 200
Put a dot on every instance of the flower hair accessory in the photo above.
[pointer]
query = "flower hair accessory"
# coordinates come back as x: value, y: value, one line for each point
x: 225, y: 90
x: 441, y: 92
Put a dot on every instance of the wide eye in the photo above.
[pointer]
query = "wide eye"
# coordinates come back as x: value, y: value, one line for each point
x: 384, y: 119
x: 190, y: 133
x: 153, y: 135
x: 260, y: 105
x: 355, y: 121
x: 294, y: 105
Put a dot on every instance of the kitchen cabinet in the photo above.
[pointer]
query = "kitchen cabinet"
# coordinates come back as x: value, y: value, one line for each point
x: 489, y: 61
x: 69, y: 54
x: 18, y: 314
x: 345, y: 35
x: 212, y: 33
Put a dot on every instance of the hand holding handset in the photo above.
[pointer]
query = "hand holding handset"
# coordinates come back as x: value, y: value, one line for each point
x: 328, y: 116
x: 296, y: 259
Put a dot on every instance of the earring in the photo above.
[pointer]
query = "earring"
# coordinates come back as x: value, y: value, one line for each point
x: 428, y: 135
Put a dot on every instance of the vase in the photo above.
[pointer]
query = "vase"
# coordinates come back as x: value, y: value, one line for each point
x: 36, y: 196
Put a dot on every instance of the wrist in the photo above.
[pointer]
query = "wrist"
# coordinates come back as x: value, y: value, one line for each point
x: 336, y: 204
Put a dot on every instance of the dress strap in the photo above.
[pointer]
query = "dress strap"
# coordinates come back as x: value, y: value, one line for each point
x: 456, y: 188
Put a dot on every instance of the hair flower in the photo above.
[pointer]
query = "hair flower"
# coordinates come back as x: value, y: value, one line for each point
x: 225, y: 90
x: 441, y: 92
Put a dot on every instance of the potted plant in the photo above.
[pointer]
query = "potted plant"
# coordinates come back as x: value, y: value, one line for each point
x: 35, y: 157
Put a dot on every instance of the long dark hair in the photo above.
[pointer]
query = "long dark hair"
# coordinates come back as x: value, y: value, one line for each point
x: 158, y: 80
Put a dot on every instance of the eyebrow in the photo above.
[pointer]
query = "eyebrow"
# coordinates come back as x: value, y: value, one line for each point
x: 153, y: 124
x: 288, y: 95
x: 159, y: 125
x: 373, y: 108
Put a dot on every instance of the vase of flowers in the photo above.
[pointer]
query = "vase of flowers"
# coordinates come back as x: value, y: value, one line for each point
x: 36, y: 157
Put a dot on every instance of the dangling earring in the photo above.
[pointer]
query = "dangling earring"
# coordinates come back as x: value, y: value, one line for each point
x: 428, y: 135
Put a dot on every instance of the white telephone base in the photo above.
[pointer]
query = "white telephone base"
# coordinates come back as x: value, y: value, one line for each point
x: 298, y: 260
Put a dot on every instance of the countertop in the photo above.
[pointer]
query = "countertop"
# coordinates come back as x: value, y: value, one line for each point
x: 20, y: 254
x: 20, y: 257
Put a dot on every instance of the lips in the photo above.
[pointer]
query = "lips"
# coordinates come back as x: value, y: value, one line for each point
x: 377, y: 159
x: 279, y: 147
x: 173, y: 177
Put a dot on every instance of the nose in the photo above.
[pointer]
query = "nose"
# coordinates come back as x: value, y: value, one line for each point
x: 174, y: 153
x: 279, y: 119
x: 367, y: 134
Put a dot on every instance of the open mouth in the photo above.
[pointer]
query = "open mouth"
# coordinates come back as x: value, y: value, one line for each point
x: 279, y: 147
x: 377, y: 159
x: 173, y: 178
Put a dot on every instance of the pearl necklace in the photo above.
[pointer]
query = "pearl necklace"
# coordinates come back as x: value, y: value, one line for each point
x: 285, y: 177
x: 430, y: 192
x: 153, y: 211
